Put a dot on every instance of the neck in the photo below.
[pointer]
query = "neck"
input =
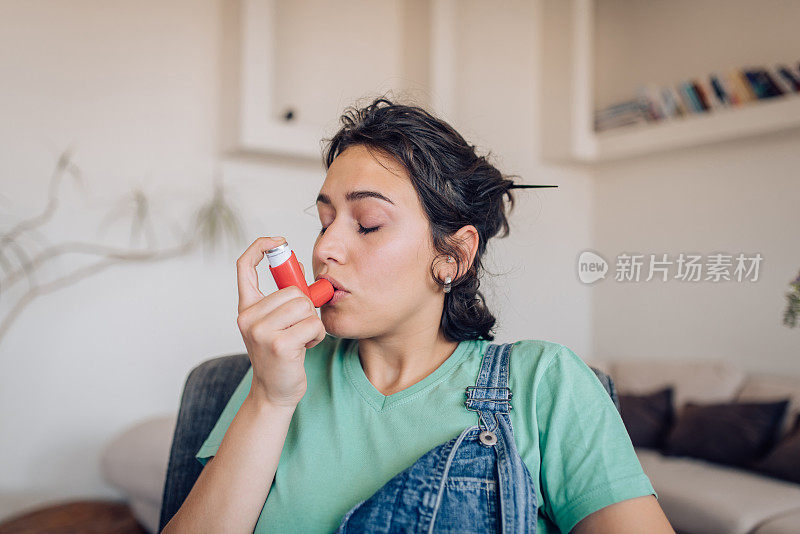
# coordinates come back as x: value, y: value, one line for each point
x: 393, y: 363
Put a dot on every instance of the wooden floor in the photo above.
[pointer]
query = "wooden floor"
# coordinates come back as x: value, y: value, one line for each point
x: 75, y: 517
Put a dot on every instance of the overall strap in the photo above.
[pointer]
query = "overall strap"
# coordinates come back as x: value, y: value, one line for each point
x: 491, y: 395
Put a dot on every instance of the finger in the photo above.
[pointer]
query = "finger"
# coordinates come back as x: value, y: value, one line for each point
x: 320, y: 336
x: 308, y: 328
x: 269, y: 309
x: 246, y: 275
x: 266, y: 314
x: 283, y: 321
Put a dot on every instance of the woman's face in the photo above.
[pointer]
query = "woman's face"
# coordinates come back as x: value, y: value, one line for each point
x: 386, y: 270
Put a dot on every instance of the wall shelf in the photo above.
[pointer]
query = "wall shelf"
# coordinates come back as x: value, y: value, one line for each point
x: 752, y: 119
x: 569, y: 85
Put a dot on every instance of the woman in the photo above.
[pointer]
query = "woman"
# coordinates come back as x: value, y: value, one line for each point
x: 365, y: 404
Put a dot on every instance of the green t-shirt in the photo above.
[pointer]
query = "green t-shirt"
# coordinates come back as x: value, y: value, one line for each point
x: 346, y: 439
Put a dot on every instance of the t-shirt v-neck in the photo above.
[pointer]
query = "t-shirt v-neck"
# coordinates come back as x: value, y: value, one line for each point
x: 380, y: 402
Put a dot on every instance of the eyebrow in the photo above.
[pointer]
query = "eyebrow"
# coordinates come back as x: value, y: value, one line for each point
x: 352, y: 196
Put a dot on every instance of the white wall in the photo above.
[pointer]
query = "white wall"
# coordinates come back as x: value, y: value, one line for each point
x: 141, y: 91
x: 730, y: 198
x: 536, y: 292
x: 133, y: 88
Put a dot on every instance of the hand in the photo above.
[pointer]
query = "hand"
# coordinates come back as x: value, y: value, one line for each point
x: 276, y: 329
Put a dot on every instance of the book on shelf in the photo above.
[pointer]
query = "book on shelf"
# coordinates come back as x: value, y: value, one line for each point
x: 701, y: 96
x: 791, y: 81
x: 692, y: 100
x: 713, y: 99
x: 686, y: 97
x: 784, y: 79
x: 735, y: 88
x: 720, y: 93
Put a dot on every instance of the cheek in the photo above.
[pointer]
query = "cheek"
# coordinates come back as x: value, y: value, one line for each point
x: 398, y: 266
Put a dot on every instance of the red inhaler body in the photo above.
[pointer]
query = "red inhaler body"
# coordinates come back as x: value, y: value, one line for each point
x: 286, y: 271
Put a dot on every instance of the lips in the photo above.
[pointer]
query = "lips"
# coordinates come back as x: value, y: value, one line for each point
x: 336, y: 285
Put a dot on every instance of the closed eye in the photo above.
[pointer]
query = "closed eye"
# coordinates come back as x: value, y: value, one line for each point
x: 361, y: 229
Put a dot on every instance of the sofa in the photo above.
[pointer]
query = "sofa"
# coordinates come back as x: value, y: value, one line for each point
x: 697, y: 496
x: 700, y: 496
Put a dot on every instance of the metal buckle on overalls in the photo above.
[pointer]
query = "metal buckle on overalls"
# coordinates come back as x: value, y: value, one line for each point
x: 488, y: 437
x: 510, y: 393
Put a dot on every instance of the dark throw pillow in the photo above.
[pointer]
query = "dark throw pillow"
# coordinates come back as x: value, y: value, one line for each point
x: 783, y: 461
x: 736, y: 433
x: 647, y: 418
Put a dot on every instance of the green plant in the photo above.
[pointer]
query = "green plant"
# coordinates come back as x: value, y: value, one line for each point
x: 792, y: 304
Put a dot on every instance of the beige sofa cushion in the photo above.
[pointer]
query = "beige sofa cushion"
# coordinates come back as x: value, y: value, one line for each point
x: 782, y: 524
x: 700, y: 496
x: 135, y: 462
x: 767, y: 387
x: 703, y: 382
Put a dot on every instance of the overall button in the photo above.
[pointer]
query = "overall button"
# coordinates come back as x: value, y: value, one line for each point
x: 488, y: 437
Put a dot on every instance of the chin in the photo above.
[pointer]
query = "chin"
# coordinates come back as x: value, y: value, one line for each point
x: 336, y: 325
x: 350, y: 326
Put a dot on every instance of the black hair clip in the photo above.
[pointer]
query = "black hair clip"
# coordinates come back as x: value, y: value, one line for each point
x: 526, y: 185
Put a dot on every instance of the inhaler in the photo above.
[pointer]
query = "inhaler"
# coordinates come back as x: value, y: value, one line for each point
x: 286, y: 271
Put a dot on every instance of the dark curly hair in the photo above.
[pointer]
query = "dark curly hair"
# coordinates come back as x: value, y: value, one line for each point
x: 456, y: 187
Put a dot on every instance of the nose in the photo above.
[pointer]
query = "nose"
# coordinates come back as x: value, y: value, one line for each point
x: 329, y: 246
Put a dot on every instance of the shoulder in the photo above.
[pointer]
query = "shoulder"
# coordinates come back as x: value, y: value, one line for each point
x: 538, y: 354
x: 530, y: 360
x: 547, y: 353
x: 536, y: 348
x: 539, y: 362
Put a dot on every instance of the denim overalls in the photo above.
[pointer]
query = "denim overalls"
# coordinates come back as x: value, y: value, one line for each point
x: 475, y: 483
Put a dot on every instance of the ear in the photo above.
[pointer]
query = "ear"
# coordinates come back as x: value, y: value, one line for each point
x: 467, y: 238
